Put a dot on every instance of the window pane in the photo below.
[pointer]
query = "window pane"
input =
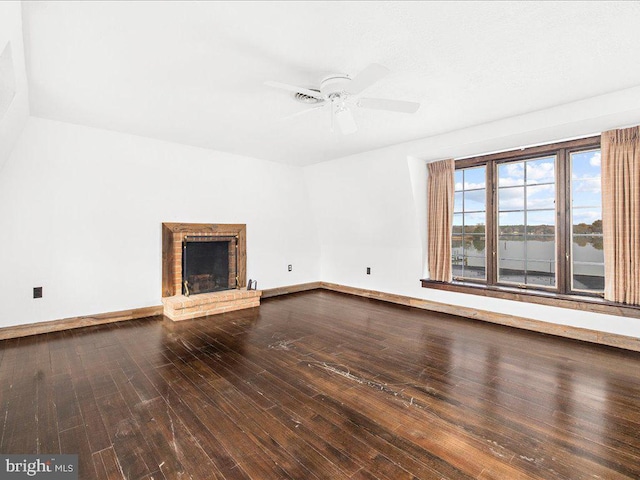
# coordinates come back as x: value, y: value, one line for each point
x: 457, y: 202
x: 474, y: 222
x: 511, y: 223
x: 474, y: 245
x: 475, y: 200
x: 586, y: 193
x: 510, y: 247
x: 541, y: 217
x: 541, y: 170
x: 457, y: 270
x: 527, y: 262
x: 588, y: 248
x: 541, y: 248
x: 541, y: 196
x: 510, y: 174
x: 511, y: 272
x: 585, y: 164
x: 588, y: 277
x: 541, y: 224
x: 474, y: 178
x: 511, y: 198
x: 457, y: 255
x: 475, y: 268
x: 458, y: 180
x: 541, y: 273
x: 511, y: 269
x: 585, y: 179
x: 586, y: 222
x: 457, y: 222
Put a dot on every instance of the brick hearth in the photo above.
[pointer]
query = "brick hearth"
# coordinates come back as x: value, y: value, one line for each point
x: 180, y: 307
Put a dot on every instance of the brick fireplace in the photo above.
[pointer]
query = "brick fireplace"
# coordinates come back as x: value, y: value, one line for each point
x: 177, y: 306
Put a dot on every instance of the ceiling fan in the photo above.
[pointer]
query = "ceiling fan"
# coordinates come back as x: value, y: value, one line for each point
x: 341, y: 93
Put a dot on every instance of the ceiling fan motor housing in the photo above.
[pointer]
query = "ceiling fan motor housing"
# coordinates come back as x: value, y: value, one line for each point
x: 334, y: 85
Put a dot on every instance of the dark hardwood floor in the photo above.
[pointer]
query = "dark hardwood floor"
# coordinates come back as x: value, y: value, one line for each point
x: 322, y: 385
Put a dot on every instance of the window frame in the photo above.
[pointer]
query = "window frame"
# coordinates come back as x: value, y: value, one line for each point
x: 562, y: 151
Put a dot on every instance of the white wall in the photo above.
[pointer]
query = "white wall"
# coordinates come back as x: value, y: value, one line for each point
x: 81, y: 212
x: 12, y: 122
x: 371, y: 206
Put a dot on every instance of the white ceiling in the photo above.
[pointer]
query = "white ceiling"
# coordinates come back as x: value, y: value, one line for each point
x: 193, y: 72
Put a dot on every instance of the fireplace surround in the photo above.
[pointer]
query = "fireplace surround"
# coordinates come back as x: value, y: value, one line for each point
x: 178, y: 306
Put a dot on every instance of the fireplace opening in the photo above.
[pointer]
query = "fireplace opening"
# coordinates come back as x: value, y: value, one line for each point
x: 208, y: 264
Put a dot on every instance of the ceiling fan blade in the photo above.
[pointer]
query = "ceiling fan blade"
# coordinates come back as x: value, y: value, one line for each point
x: 346, y: 122
x: 392, y: 105
x: 302, y: 112
x: 366, y: 78
x: 294, y: 89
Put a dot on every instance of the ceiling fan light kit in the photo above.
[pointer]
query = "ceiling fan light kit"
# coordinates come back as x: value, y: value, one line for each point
x: 342, y: 93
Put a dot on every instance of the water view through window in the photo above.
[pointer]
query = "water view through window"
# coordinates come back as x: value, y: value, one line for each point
x: 469, y: 217
x: 526, y: 246
x: 531, y: 219
x: 586, y: 222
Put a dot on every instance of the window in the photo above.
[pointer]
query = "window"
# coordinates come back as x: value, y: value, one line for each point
x: 531, y: 219
x: 469, y: 219
x: 586, y: 222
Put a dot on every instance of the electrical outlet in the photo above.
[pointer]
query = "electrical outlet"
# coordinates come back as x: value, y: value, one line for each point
x: 368, y: 270
x: 37, y: 292
x: 290, y: 268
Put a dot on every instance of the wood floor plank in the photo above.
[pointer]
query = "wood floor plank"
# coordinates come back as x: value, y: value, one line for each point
x: 134, y: 455
x: 67, y: 405
x: 47, y: 422
x: 112, y: 467
x: 20, y: 431
x: 92, y: 420
x: 74, y: 441
x: 98, y: 465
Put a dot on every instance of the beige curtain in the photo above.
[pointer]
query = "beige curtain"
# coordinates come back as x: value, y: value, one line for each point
x: 621, y: 214
x: 440, y: 219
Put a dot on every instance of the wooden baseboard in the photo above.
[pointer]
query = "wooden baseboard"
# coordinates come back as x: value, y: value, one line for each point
x: 301, y: 287
x: 593, y: 336
x: 111, y: 317
x: 77, y: 322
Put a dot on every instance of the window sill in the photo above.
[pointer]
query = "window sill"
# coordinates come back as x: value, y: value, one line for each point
x: 575, y: 302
